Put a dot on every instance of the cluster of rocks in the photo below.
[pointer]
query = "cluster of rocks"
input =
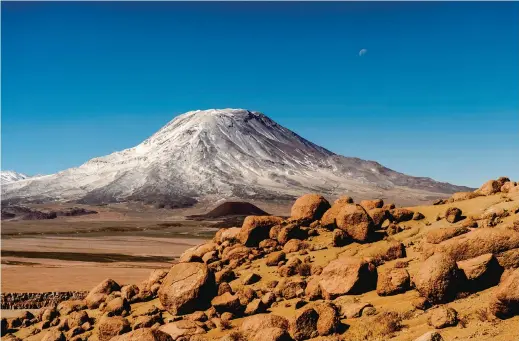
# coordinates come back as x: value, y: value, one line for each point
x: 209, y: 287
x: 36, y: 300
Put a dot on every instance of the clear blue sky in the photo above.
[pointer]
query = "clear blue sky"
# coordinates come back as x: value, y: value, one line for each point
x: 437, y: 93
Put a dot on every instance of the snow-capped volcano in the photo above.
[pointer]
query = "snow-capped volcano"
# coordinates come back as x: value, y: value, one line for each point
x: 11, y: 176
x: 230, y: 153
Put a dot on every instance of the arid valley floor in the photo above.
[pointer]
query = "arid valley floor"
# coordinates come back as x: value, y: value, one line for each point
x: 368, y: 272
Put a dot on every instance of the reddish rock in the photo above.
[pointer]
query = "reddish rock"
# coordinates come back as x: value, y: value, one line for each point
x: 481, y: 272
x: 443, y: 317
x: 109, y: 327
x: 453, y: 215
x: 392, y: 281
x: 98, y: 294
x: 309, y: 206
x: 356, y: 222
x: 400, y: 215
x: 188, y: 287
x: 372, y: 204
x: 257, y: 228
x: 439, y: 279
x: 505, y: 301
x: 347, y: 276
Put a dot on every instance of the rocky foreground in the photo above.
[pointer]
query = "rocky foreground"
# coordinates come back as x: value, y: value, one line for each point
x: 346, y: 271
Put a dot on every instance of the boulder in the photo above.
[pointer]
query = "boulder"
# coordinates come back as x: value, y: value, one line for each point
x: 461, y: 196
x: 392, y: 281
x: 227, y: 234
x: 149, y: 287
x: 507, y: 187
x: 256, y: 306
x: 109, y: 327
x: 400, y: 215
x: 188, y: 287
x: 268, y: 299
x: 291, y: 288
x: 304, y: 324
x: 225, y: 275
x: 344, y: 199
x: 77, y: 319
x: 250, y: 278
x: 313, y: 290
x: 66, y: 307
x: 439, y: 279
x: 98, y: 294
x: 489, y: 187
x: 347, y: 276
x: 442, y: 317
x: 268, y: 244
x: 118, y: 306
x: 227, y: 302
x: 246, y: 295
x: 505, y: 300
x: 146, y: 321
x: 130, y: 292
x: 481, y: 272
x: 257, y: 228
x: 258, y: 324
x: 453, y: 215
x: 291, y: 231
x: 291, y: 268
x: 477, y: 243
x: 340, y: 238
x: 196, y: 253
x: 310, y: 207
x: 329, y: 319
x: 274, y: 258
x: 379, y: 216
x: 144, y: 334
x: 372, y: 204
x: 294, y: 245
x: 418, y: 216
x: 439, y: 235
x: 182, y: 328
x: 237, y: 252
x: 430, y: 336
x: 328, y: 220
x: 348, y: 308
x: 356, y: 222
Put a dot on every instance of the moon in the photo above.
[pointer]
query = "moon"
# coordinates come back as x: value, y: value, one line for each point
x: 362, y: 52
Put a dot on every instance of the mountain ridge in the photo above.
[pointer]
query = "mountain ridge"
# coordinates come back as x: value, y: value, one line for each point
x: 229, y: 153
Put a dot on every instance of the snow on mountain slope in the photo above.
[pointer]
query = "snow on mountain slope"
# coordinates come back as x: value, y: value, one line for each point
x: 231, y: 153
x: 11, y: 176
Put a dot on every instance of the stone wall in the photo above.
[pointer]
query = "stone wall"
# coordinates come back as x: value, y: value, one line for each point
x: 36, y: 300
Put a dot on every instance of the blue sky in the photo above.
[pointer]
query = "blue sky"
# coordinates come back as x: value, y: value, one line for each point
x: 436, y: 94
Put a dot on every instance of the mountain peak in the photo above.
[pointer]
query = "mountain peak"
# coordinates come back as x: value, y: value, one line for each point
x: 228, y: 153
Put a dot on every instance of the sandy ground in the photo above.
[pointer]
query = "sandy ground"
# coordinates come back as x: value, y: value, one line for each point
x: 124, y: 243
x: 78, y: 263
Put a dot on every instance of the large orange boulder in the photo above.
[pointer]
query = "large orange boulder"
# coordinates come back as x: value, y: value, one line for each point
x: 505, y: 302
x: 188, y: 287
x: 392, y: 281
x: 257, y: 228
x: 476, y: 243
x: 481, y: 272
x: 439, y: 279
x: 400, y: 215
x: 489, y: 187
x: 356, y: 222
x: 109, y: 327
x: 309, y: 206
x: 371, y: 204
x: 347, y: 276
x: 329, y: 217
x: 98, y: 295
x: 182, y: 329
